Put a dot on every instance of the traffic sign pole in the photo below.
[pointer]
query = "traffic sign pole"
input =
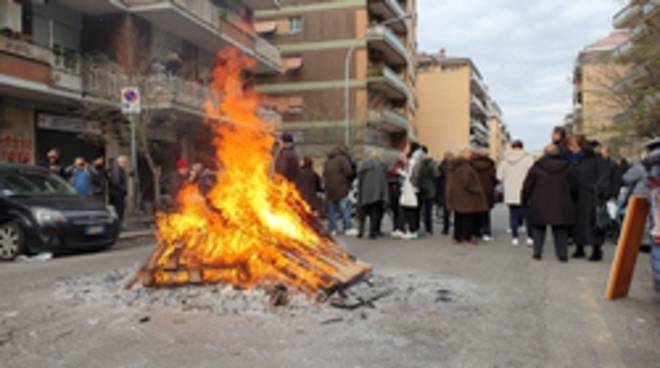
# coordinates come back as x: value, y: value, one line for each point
x: 131, y: 107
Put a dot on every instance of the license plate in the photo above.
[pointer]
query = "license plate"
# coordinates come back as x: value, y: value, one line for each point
x: 94, y: 230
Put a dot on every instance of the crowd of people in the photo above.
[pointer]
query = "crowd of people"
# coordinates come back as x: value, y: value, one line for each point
x: 96, y: 179
x: 570, y: 188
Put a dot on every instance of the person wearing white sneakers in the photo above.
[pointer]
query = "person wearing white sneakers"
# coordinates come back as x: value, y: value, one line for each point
x: 409, y: 200
x: 512, y: 173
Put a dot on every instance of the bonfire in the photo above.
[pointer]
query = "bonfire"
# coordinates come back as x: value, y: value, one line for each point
x: 253, y: 229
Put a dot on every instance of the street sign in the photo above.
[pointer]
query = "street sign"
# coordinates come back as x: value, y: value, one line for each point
x: 130, y: 100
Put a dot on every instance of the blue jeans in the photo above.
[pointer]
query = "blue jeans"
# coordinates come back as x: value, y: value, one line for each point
x: 655, y: 265
x: 342, y: 207
x: 518, y: 217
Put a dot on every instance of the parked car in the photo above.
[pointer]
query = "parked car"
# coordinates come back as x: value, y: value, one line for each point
x: 40, y: 211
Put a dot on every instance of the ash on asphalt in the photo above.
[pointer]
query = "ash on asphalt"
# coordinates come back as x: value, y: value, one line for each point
x: 382, y: 293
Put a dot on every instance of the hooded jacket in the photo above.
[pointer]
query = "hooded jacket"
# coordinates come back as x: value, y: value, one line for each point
x: 549, y: 191
x: 485, y: 168
x: 337, y: 175
x: 512, y: 173
x: 464, y: 191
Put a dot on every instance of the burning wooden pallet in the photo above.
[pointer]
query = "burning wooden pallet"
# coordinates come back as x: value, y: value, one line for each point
x: 345, y: 271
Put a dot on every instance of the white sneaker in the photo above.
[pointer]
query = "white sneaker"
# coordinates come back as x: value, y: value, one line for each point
x: 515, y: 242
x: 487, y: 238
x: 530, y: 242
x: 351, y: 232
x: 397, y: 234
x: 414, y: 236
x: 408, y: 236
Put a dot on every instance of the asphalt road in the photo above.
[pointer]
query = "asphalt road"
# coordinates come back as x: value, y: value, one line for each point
x: 508, y: 311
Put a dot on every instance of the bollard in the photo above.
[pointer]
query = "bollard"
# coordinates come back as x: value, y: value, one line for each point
x: 627, y: 250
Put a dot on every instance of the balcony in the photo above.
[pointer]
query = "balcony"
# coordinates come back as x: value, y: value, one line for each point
x: 626, y: 17
x: 624, y: 50
x: 262, y: 4
x: 651, y: 8
x: 478, y: 85
x: 383, y: 39
x: 477, y: 107
x: 478, y: 129
x: 388, y: 120
x: 388, y: 9
x: 26, y: 50
x: 203, y: 23
x: 170, y: 92
x: 385, y: 80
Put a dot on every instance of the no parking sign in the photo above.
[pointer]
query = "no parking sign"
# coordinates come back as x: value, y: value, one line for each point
x: 130, y: 100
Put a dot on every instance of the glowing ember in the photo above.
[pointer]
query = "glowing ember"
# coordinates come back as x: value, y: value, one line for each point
x: 253, y: 228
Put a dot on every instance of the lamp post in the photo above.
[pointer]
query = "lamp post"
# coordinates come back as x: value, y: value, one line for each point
x: 347, y: 72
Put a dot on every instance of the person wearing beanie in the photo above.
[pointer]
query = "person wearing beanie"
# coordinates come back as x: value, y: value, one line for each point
x: 178, y: 179
x: 287, y: 162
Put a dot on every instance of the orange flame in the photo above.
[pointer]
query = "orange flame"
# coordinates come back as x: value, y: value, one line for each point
x: 253, y: 227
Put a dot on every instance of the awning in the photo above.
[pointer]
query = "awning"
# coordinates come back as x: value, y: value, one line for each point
x: 292, y: 64
x: 265, y: 27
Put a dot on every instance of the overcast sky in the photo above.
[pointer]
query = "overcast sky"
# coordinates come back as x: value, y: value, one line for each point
x: 524, y: 49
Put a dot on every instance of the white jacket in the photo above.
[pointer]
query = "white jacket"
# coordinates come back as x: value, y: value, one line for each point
x: 512, y: 172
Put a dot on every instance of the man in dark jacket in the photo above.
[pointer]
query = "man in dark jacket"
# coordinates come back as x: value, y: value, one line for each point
x: 487, y: 172
x: 559, y: 139
x: 118, y: 186
x: 338, y: 176
x: 373, y: 193
x: 99, y: 178
x: 548, y: 192
x: 426, y: 181
x: 52, y: 162
x: 287, y: 163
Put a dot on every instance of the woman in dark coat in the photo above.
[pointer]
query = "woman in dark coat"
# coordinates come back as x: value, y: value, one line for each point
x: 586, y: 166
x: 443, y: 168
x: 309, y: 185
x: 548, y: 192
x: 487, y: 172
x: 465, y: 197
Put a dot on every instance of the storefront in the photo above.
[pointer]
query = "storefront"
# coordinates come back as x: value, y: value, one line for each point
x: 73, y: 137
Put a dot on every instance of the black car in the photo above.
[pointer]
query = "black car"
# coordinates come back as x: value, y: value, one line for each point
x: 40, y: 211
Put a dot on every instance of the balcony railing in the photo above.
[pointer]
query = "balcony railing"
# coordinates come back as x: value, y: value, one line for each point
x: 389, y: 9
x: 230, y: 26
x: 388, y: 119
x: 384, y: 75
x: 624, y: 18
x: 166, y: 91
x: 381, y: 33
x: 624, y: 49
x: 477, y: 105
x: 650, y: 7
x: 26, y: 50
x: 479, y: 84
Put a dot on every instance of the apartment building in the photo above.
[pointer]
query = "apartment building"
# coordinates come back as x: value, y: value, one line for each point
x: 639, y: 84
x: 61, y: 59
x: 595, y: 74
x: 456, y: 110
x: 314, y: 38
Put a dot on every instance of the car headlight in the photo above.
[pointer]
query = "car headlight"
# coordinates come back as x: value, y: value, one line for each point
x: 45, y: 216
x: 113, y: 212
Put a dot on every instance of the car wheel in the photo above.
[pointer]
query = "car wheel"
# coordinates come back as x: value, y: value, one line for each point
x: 12, y: 241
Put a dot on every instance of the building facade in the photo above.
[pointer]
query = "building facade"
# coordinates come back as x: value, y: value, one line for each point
x: 639, y: 85
x: 64, y: 62
x: 314, y: 38
x: 594, y: 103
x: 456, y: 110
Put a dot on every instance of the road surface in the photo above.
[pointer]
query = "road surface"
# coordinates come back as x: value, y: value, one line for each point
x: 505, y: 310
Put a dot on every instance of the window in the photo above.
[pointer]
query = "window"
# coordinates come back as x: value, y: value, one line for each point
x: 295, y: 24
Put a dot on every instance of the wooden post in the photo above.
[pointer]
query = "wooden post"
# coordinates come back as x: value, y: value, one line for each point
x: 627, y: 250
